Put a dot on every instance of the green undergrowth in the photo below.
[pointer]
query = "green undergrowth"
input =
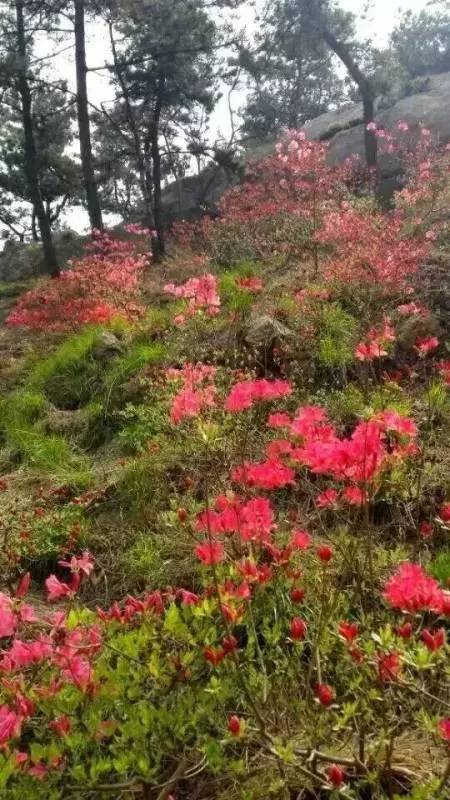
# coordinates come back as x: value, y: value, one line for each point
x: 65, y: 404
x: 94, y: 412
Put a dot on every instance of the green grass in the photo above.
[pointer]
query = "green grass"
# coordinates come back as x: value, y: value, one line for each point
x: 337, y: 336
x: 239, y: 301
x: 68, y: 379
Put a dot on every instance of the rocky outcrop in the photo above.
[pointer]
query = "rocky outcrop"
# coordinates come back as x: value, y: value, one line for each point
x: 19, y: 261
x: 194, y: 195
x: 345, y: 132
x: 428, y: 104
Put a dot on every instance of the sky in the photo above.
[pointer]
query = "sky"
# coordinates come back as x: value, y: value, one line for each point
x: 376, y: 25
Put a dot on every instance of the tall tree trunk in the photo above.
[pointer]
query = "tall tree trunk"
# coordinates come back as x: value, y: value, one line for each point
x: 366, y: 91
x: 159, y: 247
x: 34, y: 232
x: 90, y: 185
x: 31, y: 163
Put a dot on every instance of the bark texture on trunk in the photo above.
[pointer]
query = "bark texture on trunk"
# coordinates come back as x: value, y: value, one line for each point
x: 159, y: 245
x: 90, y: 184
x: 31, y: 161
x: 366, y: 91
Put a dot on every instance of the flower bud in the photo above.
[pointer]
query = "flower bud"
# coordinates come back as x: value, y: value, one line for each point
x: 335, y: 775
x: 234, y: 725
x: 298, y: 629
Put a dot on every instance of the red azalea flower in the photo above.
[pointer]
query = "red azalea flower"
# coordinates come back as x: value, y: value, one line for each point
x: 325, y: 694
x: 349, y: 631
x: 444, y: 729
x: 301, y: 540
x: 23, y: 585
x: 425, y: 529
x: 425, y: 346
x: 389, y: 666
x: 210, y: 553
x: 298, y: 629
x: 433, y: 641
x: 327, y: 498
x: 410, y: 589
x: 61, y: 725
x: 335, y: 775
x: 234, y: 725
x: 324, y: 553
x: 229, y: 643
x: 214, y: 655
x: 297, y: 594
x: 444, y: 512
x: 405, y: 631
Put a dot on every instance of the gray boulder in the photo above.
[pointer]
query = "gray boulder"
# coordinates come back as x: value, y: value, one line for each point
x: 345, y: 132
x: 265, y: 331
x: 20, y: 261
x: 106, y: 346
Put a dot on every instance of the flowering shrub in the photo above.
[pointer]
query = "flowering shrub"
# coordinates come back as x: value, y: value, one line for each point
x: 198, y: 391
x: 98, y: 287
x: 266, y: 653
x: 293, y: 203
x: 202, y: 295
x: 302, y: 646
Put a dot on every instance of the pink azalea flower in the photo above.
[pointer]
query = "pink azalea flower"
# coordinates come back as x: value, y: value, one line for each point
x: 56, y: 589
x: 7, y: 617
x: 10, y: 724
x: 83, y: 564
x: 327, y: 498
x: 301, y: 540
x: 210, y: 553
x: 425, y: 346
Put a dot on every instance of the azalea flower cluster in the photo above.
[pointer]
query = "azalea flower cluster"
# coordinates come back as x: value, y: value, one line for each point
x: 198, y: 392
x: 411, y: 590
x: 297, y: 187
x: 370, y: 247
x: 376, y: 342
x: 359, y: 458
x: 245, y: 394
x: 69, y: 650
x: 202, y: 293
x: 253, y: 520
x: 79, y: 568
x: 101, y: 285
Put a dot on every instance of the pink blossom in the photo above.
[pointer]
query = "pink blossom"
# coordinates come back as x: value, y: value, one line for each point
x: 327, y: 498
x: 367, y: 352
x: 7, y: 617
x: 425, y: 346
x: 83, y: 564
x: 410, y: 589
x: 78, y: 671
x: 210, y: 553
x: 354, y: 495
x: 56, y: 589
x: 22, y: 654
x: 201, y: 292
x: 270, y: 474
x: 243, y: 395
x: 301, y: 540
x: 250, y: 284
x: 10, y: 724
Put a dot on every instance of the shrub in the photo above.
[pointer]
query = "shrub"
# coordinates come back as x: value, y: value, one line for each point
x: 97, y: 287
